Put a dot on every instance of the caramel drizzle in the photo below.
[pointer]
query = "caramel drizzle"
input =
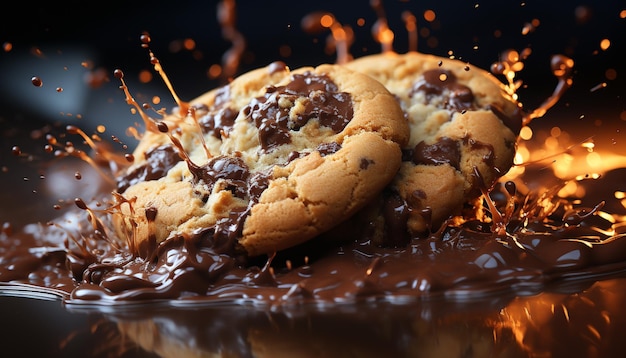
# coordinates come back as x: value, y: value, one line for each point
x: 341, y: 36
x: 410, y: 23
x: 132, y: 234
x: 148, y: 122
x: 562, y: 68
x: 511, y: 62
x: 381, y: 31
x: 182, y: 106
x: 70, y: 150
x: 226, y: 15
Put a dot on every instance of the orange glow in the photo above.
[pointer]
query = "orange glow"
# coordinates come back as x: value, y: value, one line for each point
x: 133, y: 132
x: 327, y: 21
x: 215, y: 71
x: 526, y: 133
x: 380, y: 30
x: 429, y: 15
x: 385, y: 37
x: 531, y: 320
x: 511, y: 57
x: 598, y: 86
x: 605, y: 44
x: 410, y: 22
x: 564, y: 67
x: 530, y: 27
x: 527, y: 29
x: 145, y: 76
x: 189, y: 44
x: 568, y: 160
x: 341, y: 36
x: 36, y: 51
x: 227, y: 17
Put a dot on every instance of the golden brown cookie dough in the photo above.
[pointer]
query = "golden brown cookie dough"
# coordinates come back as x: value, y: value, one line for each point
x: 463, y: 132
x: 282, y: 157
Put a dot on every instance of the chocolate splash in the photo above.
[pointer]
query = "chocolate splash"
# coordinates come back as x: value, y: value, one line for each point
x: 543, y: 244
x: 158, y: 161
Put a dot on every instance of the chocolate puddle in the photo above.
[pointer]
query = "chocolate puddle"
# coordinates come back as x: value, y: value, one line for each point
x: 548, y: 240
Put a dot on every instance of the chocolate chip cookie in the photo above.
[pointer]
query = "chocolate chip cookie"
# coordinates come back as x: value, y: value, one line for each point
x: 269, y: 161
x: 464, y: 127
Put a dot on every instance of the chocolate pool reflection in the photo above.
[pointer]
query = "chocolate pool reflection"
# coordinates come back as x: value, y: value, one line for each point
x: 581, y: 319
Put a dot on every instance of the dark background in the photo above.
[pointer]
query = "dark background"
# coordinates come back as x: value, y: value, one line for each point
x: 107, y: 34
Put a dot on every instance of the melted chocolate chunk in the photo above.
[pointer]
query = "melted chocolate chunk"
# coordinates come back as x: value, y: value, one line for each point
x: 219, y: 118
x: 231, y: 169
x: 236, y: 178
x: 446, y: 150
x: 224, y: 234
x: 222, y: 96
x: 490, y: 156
x: 158, y: 162
x: 257, y: 183
x: 365, y: 163
x: 151, y: 213
x: 328, y: 148
x: 219, y: 121
x: 396, y: 213
x: 458, y: 97
x: 321, y: 101
x: 295, y: 155
x: 443, y: 83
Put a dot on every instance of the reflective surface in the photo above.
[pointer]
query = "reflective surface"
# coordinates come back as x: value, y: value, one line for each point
x: 586, y: 319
